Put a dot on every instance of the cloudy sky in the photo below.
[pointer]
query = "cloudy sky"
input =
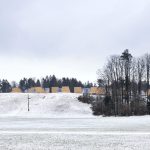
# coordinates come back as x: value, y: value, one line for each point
x: 69, y: 37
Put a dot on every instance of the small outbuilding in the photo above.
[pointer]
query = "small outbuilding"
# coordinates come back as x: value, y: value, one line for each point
x: 78, y: 90
x: 97, y: 90
x: 36, y: 90
x: 101, y: 91
x: 30, y: 90
x: 16, y: 90
x: 86, y: 90
x: 47, y: 90
x: 39, y: 90
x: 54, y: 89
x: 65, y: 89
x: 93, y: 90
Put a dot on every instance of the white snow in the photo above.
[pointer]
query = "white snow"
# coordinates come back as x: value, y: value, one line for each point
x: 60, y: 122
x: 73, y: 142
x: 43, y: 105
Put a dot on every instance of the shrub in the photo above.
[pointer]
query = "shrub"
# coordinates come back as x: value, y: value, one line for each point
x: 86, y: 99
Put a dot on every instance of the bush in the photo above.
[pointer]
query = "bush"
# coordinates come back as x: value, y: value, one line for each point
x: 97, y: 108
x: 138, y: 106
x: 124, y: 110
x: 86, y: 99
x: 106, y: 106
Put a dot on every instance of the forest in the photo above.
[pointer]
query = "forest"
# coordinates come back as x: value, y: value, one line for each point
x: 126, y: 81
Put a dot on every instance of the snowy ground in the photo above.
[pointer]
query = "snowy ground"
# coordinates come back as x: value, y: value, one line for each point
x: 74, y: 142
x: 64, y: 126
x: 43, y: 105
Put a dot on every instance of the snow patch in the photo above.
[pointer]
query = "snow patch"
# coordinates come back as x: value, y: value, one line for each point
x: 43, y: 105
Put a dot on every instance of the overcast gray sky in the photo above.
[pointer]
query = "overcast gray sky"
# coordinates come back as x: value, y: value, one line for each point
x: 69, y: 37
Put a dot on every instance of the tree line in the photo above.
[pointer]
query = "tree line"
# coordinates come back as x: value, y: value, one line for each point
x: 126, y: 80
x: 47, y: 82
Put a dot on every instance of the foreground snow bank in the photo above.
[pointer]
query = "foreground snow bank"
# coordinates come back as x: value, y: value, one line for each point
x: 43, y: 105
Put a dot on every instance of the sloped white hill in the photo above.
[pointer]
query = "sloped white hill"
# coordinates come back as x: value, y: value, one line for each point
x: 43, y: 105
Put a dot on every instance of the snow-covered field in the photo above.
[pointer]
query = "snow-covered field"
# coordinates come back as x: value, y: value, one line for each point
x: 73, y: 142
x: 60, y: 122
x: 43, y: 105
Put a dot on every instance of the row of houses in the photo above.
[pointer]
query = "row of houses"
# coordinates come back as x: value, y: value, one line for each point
x: 64, y: 89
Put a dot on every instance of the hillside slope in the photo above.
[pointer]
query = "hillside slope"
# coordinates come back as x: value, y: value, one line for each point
x: 43, y: 105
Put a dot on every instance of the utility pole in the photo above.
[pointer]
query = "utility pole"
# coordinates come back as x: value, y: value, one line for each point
x: 28, y: 103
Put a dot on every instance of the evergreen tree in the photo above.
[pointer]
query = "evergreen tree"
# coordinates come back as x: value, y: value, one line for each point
x: 5, y: 86
x: 30, y: 83
x: 44, y: 83
x: 38, y: 83
x: 53, y: 81
x: 23, y: 84
x: 127, y: 58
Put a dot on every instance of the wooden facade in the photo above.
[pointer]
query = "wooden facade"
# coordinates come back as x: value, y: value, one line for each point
x: 65, y: 89
x: 16, y: 90
x: 78, y: 90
